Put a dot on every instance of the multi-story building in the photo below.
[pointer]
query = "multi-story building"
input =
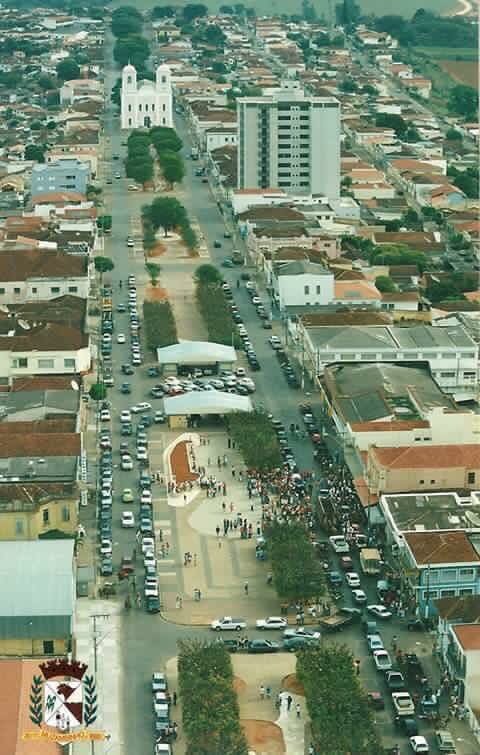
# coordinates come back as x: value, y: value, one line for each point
x: 63, y: 175
x: 290, y: 142
x: 146, y: 103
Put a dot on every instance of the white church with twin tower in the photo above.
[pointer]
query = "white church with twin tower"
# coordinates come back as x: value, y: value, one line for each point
x: 146, y: 103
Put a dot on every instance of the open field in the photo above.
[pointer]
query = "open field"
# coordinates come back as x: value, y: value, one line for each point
x: 449, y: 53
x: 465, y: 72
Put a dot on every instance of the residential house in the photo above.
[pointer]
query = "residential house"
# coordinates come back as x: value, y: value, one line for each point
x: 463, y: 661
x: 37, y: 275
x: 423, y: 468
x: 218, y: 136
x: 302, y: 283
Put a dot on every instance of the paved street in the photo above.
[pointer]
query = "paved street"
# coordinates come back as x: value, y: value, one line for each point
x: 148, y: 642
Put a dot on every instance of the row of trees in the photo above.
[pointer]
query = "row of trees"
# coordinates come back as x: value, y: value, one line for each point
x: 297, y: 572
x: 210, y: 712
x: 130, y: 46
x: 340, y: 717
x: 139, y: 162
x: 214, y: 307
x: 168, y: 144
x: 159, y: 324
x: 427, y: 29
x: 254, y: 436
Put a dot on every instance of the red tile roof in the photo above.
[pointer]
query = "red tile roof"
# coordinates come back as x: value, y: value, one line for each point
x: 429, y: 457
x: 385, y: 427
x: 39, y: 444
x: 468, y: 636
x: 441, y: 547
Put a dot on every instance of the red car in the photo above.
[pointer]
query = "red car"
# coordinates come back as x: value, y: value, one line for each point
x: 346, y: 563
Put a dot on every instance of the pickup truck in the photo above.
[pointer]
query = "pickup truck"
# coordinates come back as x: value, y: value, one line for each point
x: 403, y: 704
x: 340, y: 620
x: 228, y: 624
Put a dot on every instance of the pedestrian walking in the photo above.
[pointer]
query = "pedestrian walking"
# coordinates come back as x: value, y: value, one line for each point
x: 298, y: 710
x: 394, y: 642
x: 289, y: 702
x: 268, y: 692
x: 174, y: 698
x: 217, y: 530
x: 245, y: 587
x: 262, y: 692
x: 229, y: 442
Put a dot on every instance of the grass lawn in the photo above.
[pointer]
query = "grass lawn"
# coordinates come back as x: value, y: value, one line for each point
x: 449, y: 53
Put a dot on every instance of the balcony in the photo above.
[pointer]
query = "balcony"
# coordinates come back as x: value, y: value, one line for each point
x: 456, y: 660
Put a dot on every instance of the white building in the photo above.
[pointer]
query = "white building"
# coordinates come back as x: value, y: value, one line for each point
x: 302, y: 283
x: 289, y: 141
x: 146, y: 103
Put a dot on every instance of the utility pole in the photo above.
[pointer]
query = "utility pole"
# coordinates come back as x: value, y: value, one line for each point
x: 96, y: 643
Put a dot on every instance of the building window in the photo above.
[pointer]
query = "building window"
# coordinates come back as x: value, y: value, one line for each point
x: 46, y: 364
x: 48, y: 647
x: 466, y: 591
x: 140, y: 108
x: 432, y: 482
x: 20, y: 362
x: 466, y: 574
x: 164, y: 107
x: 34, y: 290
x: 129, y: 121
x: 19, y: 527
x: 153, y: 106
x: 69, y: 362
x: 422, y: 482
x: 146, y: 107
x: 447, y: 593
x: 129, y: 79
x: 45, y: 516
x: 164, y: 79
x: 55, y: 290
x: 129, y: 108
x: 318, y: 290
x: 430, y: 594
x: 72, y: 289
x: 306, y: 290
x: 163, y: 121
x: 16, y: 290
x: 471, y: 478
x: 2, y: 291
x: 65, y: 514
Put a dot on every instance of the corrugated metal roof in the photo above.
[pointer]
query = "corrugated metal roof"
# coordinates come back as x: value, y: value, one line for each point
x: 37, y: 591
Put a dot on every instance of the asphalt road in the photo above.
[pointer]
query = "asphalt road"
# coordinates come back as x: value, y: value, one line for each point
x: 148, y: 641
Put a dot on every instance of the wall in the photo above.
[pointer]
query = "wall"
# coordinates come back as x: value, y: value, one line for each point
x: 28, y: 525
x: 417, y: 480
x: 43, y: 289
x: 60, y: 177
x: 291, y: 289
x: 325, y: 151
x: 32, y: 647
x: 215, y: 140
x: 82, y: 362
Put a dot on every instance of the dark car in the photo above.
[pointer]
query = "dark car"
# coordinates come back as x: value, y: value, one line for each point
x: 126, y: 428
x: 153, y: 372
x: 106, y: 567
x: 406, y: 725
x: 294, y: 643
x: 375, y: 700
x: 217, y: 243
x: 152, y: 604
x: 416, y: 625
x: 127, y: 369
x: 125, y: 388
x: 395, y: 681
x: 263, y: 646
x: 267, y: 325
x: 334, y: 578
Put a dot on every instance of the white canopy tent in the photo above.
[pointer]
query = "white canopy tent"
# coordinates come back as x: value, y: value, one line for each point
x: 206, y: 402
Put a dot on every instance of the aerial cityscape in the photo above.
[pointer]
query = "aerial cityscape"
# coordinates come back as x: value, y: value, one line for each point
x: 240, y: 387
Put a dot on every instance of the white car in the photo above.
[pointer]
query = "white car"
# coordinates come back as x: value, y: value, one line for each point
x: 301, y: 632
x: 136, y: 360
x: 128, y: 520
x: 105, y: 415
x: 240, y: 372
x: 127, y: 495
x: 125, y: 416
x: 146, y: 497
x: 142, y: 454
x: 149, y: 559
x: 403, y: 704
x: 352, y: 578
x: 375, y: 642
x: 106, y: 547
x: 130, y: 242
x: 126, y: 463
x: 219, y: 385
x: 271, y: 622
x: 382, y: 660
x: 274, y: 340
x: 379, y: 611
x: 339, y: 544
x: 419, y: 744
x: 148, y: 545
x: 143, y: 406
x: 151, y: 587
x: 359, y: 597
x: 228, y: 624
x: 121, y: 338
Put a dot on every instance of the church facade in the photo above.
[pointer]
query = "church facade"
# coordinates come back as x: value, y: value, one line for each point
x: 146, y: 103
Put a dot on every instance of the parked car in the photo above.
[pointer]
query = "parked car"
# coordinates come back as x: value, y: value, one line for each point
x: 309, y: 634
x: 271, y: 622
x: 379, y: 611
x: 382, y: 660
x: 339, y: 544
x: 394, y: 681
x: 419, y: 744
x: 290, y: 644
x: 374, y: 642
x: 263, y: 646
x: 403, y: 704
x: 359, y: 597
x: 352, y: 579
x: 128, y: 519
x: 445, y: 741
